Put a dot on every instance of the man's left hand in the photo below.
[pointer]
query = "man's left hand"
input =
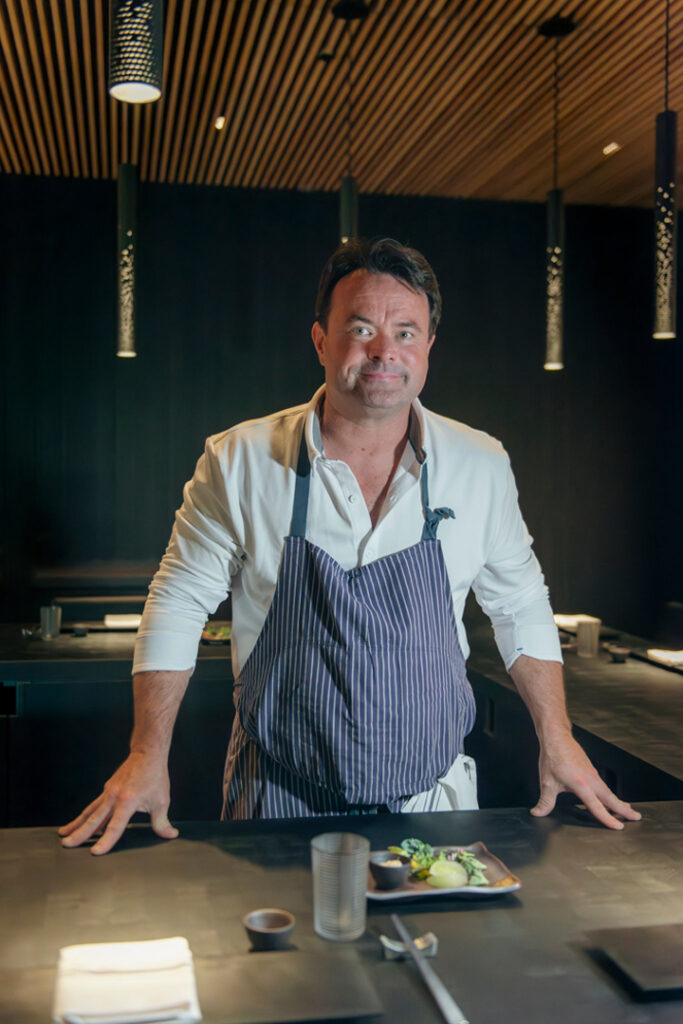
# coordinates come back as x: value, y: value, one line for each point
x: 564, y: 767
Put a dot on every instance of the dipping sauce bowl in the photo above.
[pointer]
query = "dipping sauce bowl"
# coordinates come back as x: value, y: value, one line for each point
x: 269, y: 928
x: 389, y: 875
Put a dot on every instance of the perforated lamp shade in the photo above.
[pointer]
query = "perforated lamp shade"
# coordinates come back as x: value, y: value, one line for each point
x: 135, y: 50
x: 665, y: 227
x: 126, y: 238
x: 554, y: 281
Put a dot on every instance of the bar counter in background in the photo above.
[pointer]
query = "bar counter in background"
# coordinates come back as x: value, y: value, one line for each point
x: 66, y: 715
x: 626, y: 716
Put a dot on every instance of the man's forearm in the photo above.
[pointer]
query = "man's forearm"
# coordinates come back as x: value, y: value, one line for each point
x: 540, y: 684
x: 157, y: 697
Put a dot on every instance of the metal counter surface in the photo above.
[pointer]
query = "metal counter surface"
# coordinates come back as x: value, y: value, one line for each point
x: 520, y: 957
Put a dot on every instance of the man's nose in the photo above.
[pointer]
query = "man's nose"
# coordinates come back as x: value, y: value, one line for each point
x: 382, y: 346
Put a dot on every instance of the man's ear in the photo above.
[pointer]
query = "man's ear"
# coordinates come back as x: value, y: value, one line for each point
x: 318, y: 335
x: 431, y: 342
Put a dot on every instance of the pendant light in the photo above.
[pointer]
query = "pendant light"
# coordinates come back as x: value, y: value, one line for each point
x: 555, y: 28
x: 135, y: 50
x: 666, y: 226
x: 127, y: 226
x: 348, y: 11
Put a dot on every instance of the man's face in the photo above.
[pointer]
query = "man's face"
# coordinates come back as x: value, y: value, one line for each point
x: 376, y: 347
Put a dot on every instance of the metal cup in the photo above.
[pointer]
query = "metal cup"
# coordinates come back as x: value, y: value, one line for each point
x: 50, y: 621
x: 340, y: 880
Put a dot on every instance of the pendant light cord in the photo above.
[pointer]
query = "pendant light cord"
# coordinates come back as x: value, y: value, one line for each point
x: 666, y: 58
x: 556, y: 111
x: 349, y: 104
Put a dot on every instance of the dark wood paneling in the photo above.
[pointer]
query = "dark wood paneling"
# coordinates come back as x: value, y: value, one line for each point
x: 95, y: 450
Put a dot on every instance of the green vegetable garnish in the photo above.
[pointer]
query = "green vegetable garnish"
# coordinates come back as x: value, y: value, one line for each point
x: 422, y: 856
x: 474, y: 868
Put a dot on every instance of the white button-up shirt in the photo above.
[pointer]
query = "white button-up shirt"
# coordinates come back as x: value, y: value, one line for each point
x: 237, y: 508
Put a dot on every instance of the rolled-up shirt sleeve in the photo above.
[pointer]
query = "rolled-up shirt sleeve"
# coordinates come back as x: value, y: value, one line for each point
x: 511, y: 590
x: 202, y: 557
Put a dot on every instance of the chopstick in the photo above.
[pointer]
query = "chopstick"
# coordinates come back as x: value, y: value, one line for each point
x: 450, y: 1010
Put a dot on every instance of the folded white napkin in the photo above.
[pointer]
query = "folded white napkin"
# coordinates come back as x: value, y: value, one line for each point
x: 673, y: 658
x: 121, y: 621
x: 126, y: 982
x: 568, y: 621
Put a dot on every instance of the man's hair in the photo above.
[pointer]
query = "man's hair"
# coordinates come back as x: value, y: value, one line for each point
x: 379, y: 256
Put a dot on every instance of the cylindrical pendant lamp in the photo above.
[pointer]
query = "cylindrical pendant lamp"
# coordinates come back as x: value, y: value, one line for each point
x: 666, y: 225
x: 554, y: 280
x: 126, y: 232
x: 348, y: 11
x: 555, y: 28
x: 135, y: 50
x: 348, y: 210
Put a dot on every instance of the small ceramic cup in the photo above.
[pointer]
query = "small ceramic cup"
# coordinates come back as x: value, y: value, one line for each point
x: 389, y: 875
x: 269, y: 928
x: 617, y: 652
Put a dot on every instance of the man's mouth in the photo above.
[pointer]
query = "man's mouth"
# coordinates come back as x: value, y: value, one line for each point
x: 377, y: 373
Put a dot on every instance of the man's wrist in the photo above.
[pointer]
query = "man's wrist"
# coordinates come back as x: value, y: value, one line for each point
x: 553, y: 734
x: 150, y: 749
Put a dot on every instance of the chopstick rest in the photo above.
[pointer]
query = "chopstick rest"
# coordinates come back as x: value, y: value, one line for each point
x: 428, y: 944
x: 122, y: 982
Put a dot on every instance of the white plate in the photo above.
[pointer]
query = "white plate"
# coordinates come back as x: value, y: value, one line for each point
x: 502, y: 880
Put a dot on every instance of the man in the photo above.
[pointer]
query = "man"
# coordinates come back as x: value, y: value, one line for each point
x: 349, y: 531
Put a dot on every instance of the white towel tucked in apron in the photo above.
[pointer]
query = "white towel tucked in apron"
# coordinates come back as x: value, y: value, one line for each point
x: 454, y: 791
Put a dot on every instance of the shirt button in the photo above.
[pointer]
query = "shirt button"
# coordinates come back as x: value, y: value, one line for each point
x: 352, y: 498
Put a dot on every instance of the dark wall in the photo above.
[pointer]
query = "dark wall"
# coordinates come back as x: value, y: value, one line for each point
x: 95, y: 449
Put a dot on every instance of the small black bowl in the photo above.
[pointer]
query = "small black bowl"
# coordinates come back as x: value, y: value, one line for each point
x: 617, y: 652
x: 389, y: 876
x: 269, y: 928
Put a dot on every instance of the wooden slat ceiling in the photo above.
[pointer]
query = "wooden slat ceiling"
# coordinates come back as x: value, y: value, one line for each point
x: 450, y: 97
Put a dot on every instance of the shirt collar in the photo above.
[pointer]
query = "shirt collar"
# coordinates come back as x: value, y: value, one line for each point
x: 312, y: 425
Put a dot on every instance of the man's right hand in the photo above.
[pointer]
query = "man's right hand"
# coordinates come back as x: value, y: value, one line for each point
x: 140, y: 784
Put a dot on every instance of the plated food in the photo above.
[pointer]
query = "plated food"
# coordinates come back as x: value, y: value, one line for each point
x: 470, y: 871
x: 217, y: 632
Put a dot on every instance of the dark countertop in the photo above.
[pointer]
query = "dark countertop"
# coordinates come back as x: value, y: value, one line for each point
x: 102, y: 656
x: 636, y: 706
x: 518, y: 957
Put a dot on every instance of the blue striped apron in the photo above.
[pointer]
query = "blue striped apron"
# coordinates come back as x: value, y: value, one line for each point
x: 355, y: 695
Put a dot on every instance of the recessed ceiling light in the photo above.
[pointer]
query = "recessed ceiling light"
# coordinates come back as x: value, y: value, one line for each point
x: 611, y: 147
x: 219, y: 123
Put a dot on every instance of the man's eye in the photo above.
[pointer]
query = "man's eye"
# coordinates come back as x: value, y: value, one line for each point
x: 405, y: 335
x: 363, y: 331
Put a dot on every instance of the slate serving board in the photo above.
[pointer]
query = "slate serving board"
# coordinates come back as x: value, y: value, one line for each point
x: 648, y: 959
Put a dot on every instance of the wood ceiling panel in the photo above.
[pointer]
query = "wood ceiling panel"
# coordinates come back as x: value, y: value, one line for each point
x: 449, y: 97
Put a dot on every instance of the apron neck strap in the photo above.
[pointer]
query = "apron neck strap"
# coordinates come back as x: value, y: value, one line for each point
x: 303, y: 484
x: 433, y: 516
x: 301, y: 489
